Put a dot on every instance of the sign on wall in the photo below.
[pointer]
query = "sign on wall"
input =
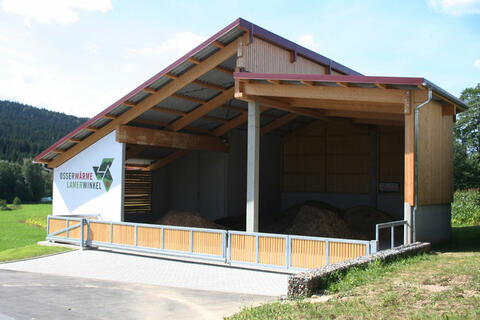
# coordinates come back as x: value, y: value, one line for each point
x: 91, y: 182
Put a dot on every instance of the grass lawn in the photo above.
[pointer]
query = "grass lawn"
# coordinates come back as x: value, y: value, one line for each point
x: 444, y: 284
x: 18, y: 239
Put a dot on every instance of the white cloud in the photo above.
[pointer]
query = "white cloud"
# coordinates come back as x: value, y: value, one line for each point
x: 93, y: 49
x: 42, y: 87
x: 53, y: 11
x: 180, y: 44
x: 456, y: 7
x: 476, y: 64
x: 130, y: 68
x: 308, y: 41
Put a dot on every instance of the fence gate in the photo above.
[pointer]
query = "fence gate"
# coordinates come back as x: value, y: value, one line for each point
x: 231, y: 247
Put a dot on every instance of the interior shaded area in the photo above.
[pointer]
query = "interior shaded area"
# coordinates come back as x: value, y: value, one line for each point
x: 323, y: 178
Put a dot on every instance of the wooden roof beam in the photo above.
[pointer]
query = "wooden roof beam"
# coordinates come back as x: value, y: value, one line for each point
x: 168, y: 139
x: 209, y: 85
x: 235, y: 122
x: 277, y: 123
x: 170, y: 88
x: 218, y: 44
x: 352, y: 94
x: 166, y: 160
x: 188, y: 98
x: 164, y: 124
x: 202, y: 110
x: 224, y: 70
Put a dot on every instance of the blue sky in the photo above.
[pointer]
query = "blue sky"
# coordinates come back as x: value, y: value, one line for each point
x: 78, y: 57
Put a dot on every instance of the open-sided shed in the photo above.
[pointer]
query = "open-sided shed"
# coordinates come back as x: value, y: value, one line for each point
x: 251, y: 123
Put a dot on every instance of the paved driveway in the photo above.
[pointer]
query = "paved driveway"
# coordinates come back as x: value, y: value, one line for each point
x: 39, y: 296
x: 114, y: 266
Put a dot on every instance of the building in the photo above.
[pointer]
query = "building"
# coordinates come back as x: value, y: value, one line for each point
x: 251, y: 122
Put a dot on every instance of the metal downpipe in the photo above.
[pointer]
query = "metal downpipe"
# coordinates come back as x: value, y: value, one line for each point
x: 415, y: 170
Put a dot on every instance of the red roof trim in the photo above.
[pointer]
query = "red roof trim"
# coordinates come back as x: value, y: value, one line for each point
x: 329, y: 78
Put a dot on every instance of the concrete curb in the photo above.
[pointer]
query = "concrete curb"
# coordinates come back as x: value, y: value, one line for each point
x: 304, y: 284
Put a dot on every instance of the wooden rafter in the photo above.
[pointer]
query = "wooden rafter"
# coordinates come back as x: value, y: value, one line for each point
x: 133, y: 150
x: 164, y: 124
x: 379, y: 122
x: 368, y: 95
x: 169, y: 139
x: 364, y: 115
x: 235, y: 122
x: 188, y: 98
x: 202, y: 110
x: 224, y: 70
x: 218, y: 44
x: 166, y: 160
x: 277, y: 123
x: 164, y: 92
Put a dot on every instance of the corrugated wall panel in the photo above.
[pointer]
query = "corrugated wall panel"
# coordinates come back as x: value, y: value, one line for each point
x: 264, y: 57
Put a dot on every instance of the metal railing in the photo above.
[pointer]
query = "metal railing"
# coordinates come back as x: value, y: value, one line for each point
x: 392, y: 226
x: 231, y: 247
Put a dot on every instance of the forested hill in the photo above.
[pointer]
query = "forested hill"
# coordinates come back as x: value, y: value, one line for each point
x: 25, y: 131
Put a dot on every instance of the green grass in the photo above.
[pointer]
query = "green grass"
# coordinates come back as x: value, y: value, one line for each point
x: 18, y: 238
x: 444, y: 284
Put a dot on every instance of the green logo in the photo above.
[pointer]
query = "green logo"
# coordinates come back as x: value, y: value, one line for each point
x: 103, y: 172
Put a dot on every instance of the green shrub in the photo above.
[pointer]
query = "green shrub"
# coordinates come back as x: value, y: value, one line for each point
x: 17, y: 202
x: 466, y: 207
x: 3, y: 204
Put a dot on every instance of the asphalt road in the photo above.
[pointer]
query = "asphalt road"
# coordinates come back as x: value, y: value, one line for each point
x: 25, y: 295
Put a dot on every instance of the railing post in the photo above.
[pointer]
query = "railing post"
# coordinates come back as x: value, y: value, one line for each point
x: 191, y: 241
x: 163, y: 238
x: 81, y: 234
x: 111, y: 232
x: 392, y: 234
x: 327, y: 252
x: 229, y: 246
x: 224, y: 246
x: 405, y: 233
x: 67, y: 226
x: 136, y: 235
x: 48, y: 225
x: 256, y: 249
x: 287, y: 251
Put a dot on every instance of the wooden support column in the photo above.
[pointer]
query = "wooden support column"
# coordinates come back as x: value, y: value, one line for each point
x: 409, y: 155
x: 253, y: 163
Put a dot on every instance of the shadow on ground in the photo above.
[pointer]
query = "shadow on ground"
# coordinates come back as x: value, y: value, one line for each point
x: 464, y: 239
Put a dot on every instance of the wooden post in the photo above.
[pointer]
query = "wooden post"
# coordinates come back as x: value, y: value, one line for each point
x: 253, y: 157
x: 409, y: 175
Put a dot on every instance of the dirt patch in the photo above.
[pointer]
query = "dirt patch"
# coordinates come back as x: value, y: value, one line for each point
x: 187, y: 219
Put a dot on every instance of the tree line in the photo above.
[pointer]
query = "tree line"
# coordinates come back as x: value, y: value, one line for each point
x: 27, y: 181
x: 25, y: 131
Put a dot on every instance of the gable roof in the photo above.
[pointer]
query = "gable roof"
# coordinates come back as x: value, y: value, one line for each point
x: 103, y: 123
